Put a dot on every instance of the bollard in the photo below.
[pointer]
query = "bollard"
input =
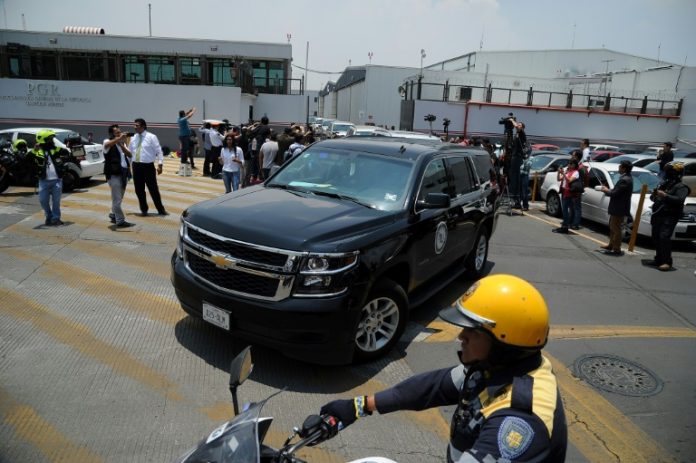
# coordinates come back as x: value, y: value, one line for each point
x: 534, y: 186
x: 636, y: 219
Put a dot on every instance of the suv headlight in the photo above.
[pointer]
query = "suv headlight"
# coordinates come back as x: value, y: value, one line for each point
x: 324, y: 274
x: 180, y: 241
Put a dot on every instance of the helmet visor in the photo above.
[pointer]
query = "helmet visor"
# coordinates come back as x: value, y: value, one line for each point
x: 458, y: 315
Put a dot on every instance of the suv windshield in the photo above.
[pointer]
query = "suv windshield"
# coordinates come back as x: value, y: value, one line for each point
x: 375, y: 181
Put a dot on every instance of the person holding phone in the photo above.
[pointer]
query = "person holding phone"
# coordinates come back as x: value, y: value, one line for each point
x: 566, y: 177
x: 231, y: 159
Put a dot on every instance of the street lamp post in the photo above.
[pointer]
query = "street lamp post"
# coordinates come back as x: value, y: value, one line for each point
x: 421, y: 66
x: 370, y: 55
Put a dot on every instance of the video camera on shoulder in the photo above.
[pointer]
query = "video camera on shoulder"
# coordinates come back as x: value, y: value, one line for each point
x: 73, y: 140
x: 508, y: 121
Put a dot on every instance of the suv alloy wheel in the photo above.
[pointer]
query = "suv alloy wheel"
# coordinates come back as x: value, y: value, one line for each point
x: 382, y: 320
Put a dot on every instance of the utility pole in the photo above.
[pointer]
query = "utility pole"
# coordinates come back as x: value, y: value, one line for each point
x: 370, y: 55
x: 149, y: 16
x: 421, y: 66
x: 306, y: 66
x: 606, y: 73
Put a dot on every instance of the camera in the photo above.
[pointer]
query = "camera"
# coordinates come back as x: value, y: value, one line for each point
x: 429, y: 118
x: 508, y: 121
x: 73, y: 140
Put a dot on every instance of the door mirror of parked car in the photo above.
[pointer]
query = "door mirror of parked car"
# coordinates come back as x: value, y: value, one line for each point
x: 435, y: 201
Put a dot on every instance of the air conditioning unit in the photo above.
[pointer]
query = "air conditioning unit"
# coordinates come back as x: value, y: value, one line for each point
x: 464, y: 93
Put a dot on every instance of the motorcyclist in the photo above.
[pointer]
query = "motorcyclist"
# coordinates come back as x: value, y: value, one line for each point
x: 49, y: 161
x: 508, y: 403
x: 19, y: 147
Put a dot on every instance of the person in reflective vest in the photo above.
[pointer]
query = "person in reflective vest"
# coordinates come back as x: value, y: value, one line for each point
x: 49, y: 161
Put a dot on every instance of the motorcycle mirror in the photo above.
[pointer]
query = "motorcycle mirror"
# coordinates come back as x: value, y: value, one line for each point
x: 240, y: 369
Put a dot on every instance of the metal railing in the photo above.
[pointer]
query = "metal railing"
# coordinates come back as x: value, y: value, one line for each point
x: 419, y: 90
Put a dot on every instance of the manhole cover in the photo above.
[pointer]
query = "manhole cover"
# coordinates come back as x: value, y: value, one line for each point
x: 614, y: 374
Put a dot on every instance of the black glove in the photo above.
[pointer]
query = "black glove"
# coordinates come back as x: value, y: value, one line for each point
x: 347, y: 410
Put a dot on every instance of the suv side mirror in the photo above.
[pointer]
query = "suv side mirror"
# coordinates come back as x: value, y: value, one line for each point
x: 434, y: 201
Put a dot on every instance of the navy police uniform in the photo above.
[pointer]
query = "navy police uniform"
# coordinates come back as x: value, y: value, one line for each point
x: 511, y: 414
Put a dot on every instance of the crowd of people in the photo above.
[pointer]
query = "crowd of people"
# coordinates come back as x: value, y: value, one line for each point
x: 241, y: 155
x: 245, y: 155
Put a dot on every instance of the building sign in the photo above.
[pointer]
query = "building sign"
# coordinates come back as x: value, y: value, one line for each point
x: 45, y: 94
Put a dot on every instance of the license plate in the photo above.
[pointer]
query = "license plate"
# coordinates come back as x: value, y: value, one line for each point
x: 216, y: 316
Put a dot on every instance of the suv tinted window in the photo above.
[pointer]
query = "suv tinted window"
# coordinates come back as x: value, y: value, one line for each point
x: 484, y: 168
x: 434, y: 179
x: 464, y: 181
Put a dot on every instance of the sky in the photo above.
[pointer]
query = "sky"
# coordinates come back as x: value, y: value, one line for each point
x: 346, y: 32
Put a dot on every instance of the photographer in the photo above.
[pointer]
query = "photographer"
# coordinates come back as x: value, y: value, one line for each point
x: 514, y: 175
x: 509, y: 122
x: 668, y: 206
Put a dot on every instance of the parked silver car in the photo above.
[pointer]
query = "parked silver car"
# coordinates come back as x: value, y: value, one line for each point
x: 595, y: 203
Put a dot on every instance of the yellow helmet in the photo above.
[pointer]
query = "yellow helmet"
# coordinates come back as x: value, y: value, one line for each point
x: 508, y: 307
x: 42, y: 136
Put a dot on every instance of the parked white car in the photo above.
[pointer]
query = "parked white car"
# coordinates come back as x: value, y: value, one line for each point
x: 604, y: 148
x: 414, y: 135
x: 368, y: 131
x: 595, y: 203
x: 91, y: 165
x: 339, y: 128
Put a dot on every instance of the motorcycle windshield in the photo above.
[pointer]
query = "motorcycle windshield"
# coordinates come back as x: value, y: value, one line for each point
x: 233, y: 442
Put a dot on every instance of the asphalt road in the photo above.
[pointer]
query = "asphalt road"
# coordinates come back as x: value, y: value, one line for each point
x: 98, y: 363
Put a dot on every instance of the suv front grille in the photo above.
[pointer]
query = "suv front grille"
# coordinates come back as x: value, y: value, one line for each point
x: 230, y: 279
x: 237, y: 250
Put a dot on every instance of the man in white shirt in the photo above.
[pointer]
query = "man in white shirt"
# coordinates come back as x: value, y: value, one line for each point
x: 585, y: 146
x: 217, y: 138
x: 146, y: 150
x: 267, y: 155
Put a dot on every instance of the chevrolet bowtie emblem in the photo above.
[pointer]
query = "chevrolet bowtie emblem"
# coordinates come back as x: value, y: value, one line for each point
x: 219, y: 260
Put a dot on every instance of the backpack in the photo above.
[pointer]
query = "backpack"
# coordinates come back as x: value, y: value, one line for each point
x: 526, y: 149
x: 584, y: 177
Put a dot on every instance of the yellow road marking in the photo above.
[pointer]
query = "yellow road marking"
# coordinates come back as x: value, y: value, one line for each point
x: 80, y: 338
x: 446, y: 332
x: 144, y: 303
x: 55, y: 235
x: 29, y: 426
x: 573, y: 232
x: 598, y: 429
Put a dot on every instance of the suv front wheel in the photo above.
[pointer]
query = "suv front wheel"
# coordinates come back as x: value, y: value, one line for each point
x: 478, y: 256
x: 382, y: 320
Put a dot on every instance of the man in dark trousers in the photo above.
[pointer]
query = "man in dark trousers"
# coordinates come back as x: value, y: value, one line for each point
x: 619, y: 208
x: 518, y: 146
x: 116, y: 170
x: 146, y: 150
x: 668, y: 206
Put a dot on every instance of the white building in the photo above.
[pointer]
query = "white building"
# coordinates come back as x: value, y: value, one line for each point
x: 564, y: 94
x: 89, y: 80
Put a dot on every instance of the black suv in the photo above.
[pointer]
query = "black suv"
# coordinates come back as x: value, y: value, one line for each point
x: 324, y: 260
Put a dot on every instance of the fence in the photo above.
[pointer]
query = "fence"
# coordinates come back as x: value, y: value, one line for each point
x: 419, y: 90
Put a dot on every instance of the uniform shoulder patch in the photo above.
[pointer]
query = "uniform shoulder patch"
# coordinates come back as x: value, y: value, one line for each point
x: 514, y: 437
